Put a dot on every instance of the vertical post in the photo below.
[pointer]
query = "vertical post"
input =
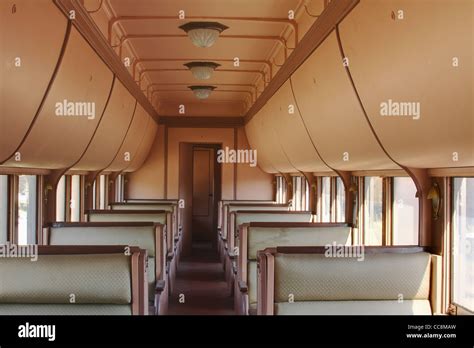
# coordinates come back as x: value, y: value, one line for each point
x: 289, y: 187
x: 312, y: 191
x: 349, y: 194
x: 50, y: 183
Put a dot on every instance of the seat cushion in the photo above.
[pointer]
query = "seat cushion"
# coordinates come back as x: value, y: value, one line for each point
x: 406, y: 307
x: 64, y: 309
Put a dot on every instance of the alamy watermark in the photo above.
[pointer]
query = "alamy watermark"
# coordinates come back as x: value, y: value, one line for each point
x: 341, y: 250
x: 228, y: 155
x: 69, y: 108
x: 9, y: 250
x: 406, y: 109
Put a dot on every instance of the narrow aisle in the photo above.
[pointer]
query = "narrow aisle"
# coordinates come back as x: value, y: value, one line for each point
x: 200, y: 279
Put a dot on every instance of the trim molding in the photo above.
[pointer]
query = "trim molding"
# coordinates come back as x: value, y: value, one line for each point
x: 201, y: 122
x: 333, y: 14
x: 88, y: 29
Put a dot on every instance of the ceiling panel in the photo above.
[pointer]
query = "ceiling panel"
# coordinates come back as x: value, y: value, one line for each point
x: 256, y: 30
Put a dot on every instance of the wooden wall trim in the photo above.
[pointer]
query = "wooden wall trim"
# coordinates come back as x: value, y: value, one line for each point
x: 236, y: 144
x: 165, y: 188
x: 92, y: 34
x: 332, y: 15
x: 201, y: 122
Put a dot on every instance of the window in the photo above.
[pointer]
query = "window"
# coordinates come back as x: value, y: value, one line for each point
x: 297, y: 193
x: 404, y: 212
x: 281, y: 190
x: 3, y: 209
x: 463, y: 243
x: 102, y: 191
x: 75, y: 203
x: 325, y: 199
x: 119, y: 188
x: 340, y: 201
x: 26, y: 231
x: 94, y: 195
x: 61, y: 200
x: 373, y: 210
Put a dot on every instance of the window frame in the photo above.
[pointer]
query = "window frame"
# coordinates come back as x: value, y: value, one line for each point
x: 14, y: 191
x: 450, y: 221
x: 389, y: 219
x: 362, y: 188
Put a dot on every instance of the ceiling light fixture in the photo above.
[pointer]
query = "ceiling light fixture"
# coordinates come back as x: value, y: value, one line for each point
x: 202, y: 70
x: 203, y: 34
x: 202, y: 92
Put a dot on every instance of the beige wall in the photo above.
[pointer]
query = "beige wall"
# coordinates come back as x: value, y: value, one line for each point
x: 149, y: 180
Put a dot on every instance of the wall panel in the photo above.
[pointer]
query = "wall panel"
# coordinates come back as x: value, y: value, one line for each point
x: 22, y: 87
x: 58, y: 140
x: 291, y: 132
x: 331, y: 111
x: 111, y: 130
x: 128, y: 150
x: 410, y: 60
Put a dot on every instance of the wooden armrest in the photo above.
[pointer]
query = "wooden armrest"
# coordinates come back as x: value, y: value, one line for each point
x: 243, y: 286
x: 160, y: 285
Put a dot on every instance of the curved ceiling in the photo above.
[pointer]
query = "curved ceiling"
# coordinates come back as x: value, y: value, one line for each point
x: 410, y: 60
x: 151, y: 37
x: 26, y: 69
x: 409, y: 64
x: 59, y: 135
x: 59, y: 112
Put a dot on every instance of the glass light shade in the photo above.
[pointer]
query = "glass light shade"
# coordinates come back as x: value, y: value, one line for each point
x: 203, y: 34
x: 202, y: 92
x: 202, y: 70
x: 203, y: 37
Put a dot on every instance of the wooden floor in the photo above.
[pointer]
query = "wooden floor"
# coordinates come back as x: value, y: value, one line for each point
x: 200, y: 279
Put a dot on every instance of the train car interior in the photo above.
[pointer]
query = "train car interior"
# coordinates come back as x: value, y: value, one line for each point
x: 236, y: 157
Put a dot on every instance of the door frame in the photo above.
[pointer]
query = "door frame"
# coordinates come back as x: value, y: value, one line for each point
x: 217, y: 186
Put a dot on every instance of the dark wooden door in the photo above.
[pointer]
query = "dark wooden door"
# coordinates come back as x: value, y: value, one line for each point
x: 203, y: 194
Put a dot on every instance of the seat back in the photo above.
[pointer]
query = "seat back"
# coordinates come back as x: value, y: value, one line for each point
x: 261, y: 235
x: 145, y: 235
x: 239, y: 217
x: 222, y: 203
x: 171, y: 206
x: 230, y: 207
x: 157, y: 216
x: 322, y: 280
x: 72, y: 280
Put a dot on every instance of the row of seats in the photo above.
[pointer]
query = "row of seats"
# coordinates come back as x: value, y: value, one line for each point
x: 75, y: 280
x: 278, y: 262
x: 146, y: 232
